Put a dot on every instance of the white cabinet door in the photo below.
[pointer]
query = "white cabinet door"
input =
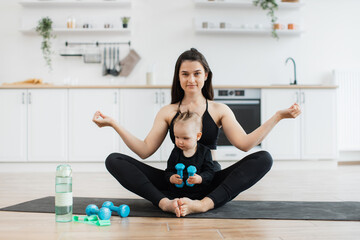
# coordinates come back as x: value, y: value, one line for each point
x: 319, y: 124
x: 167, y: 145
x: 283, y: 142
x: 138, y: 110
x: 88, y: 142
x: 312, y: 135
x: 13, y: 108
x: 47, y: 125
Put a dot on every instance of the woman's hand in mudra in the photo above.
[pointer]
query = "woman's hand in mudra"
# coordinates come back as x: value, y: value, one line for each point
x: 102, y: 120
x: 291, y: 112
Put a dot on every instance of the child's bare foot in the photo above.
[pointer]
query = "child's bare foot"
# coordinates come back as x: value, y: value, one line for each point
x: 188, y: 206
x: 168, y: 205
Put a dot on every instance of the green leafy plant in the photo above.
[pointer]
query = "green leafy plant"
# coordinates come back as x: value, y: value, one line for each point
x: 44, y: 28
x: 270, y: 6
x: 125, y: 20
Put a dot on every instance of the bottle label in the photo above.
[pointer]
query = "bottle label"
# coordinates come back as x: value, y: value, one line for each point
x: 63, y: 199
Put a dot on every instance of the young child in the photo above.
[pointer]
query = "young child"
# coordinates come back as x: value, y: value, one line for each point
x: 187, y: 131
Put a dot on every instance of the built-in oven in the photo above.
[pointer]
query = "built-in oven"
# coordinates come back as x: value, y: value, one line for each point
x: 246, y: 106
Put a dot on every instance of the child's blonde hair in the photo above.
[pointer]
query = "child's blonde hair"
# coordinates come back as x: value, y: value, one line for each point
x: 189, y: 116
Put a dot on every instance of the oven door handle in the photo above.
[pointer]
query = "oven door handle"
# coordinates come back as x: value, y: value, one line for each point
x: 241, y: 102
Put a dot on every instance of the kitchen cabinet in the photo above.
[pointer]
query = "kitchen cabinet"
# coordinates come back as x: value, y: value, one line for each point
x: 34, y: 126
x: 138, y: 111
x: 47, y: 125
x: 88, y: 142
x: 13, y: 127
x: 50, y: 125
x: 310, y: 136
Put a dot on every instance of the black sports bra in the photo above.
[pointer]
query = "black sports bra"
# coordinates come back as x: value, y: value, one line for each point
x: 210, y: 130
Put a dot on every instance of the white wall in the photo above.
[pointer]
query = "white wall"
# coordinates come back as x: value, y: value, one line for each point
x: 162, y: 29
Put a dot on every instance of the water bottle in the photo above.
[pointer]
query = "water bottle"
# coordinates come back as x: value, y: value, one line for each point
x: 63, y: 194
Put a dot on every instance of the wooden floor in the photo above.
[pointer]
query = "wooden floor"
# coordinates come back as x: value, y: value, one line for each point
x: 341, y: 183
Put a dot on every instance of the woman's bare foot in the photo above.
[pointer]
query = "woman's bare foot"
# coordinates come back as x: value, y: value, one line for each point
x: 168, y: 205
x: 188, y: 206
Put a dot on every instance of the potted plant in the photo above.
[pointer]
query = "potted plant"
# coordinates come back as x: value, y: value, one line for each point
x: 125, y: 21
x: 270, y: 6
x: 44, y: 28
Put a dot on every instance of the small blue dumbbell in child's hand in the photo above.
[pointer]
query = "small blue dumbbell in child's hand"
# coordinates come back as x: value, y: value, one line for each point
x: 104, y: 213
x: 123, y: 210
x: 180, y: 168
x: 191, y: 172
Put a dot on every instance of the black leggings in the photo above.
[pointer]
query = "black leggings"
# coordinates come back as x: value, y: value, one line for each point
x: 149, y: 182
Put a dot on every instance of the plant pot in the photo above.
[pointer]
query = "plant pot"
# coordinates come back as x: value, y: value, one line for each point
x: 125, y: 25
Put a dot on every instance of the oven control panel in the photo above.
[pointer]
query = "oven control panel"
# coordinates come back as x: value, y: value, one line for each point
x: 237, y: 93
x: 231, y: 93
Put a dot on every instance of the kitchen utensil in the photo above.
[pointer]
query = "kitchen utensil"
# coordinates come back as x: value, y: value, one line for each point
x: 92, y: 58
x: 71, y: 52
x: 109, y: 69
x: 104, y: 70
x: 92, y: 55
x: 118, y: 65
x: 113, y: 71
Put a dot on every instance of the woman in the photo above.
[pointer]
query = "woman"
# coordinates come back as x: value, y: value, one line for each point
x: 192, y: 91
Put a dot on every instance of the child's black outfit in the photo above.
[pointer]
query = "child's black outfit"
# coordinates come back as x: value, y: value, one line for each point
x: 203, y: 162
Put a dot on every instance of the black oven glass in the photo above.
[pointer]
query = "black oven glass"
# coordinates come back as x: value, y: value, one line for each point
x: 248, y: 115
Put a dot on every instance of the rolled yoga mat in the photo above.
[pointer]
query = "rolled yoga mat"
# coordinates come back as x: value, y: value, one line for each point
x: 290, y: 210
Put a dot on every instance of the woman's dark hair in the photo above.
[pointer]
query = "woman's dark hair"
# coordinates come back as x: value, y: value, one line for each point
x: 177, y: 93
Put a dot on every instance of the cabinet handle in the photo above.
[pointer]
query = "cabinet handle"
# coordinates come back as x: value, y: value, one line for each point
x: 162, y: 98
x: 156, y: 97
x: 29, y: 96
x: 231, y: 154
x: 115, y: 97
x: 303, y: 97
x: 297, y: 98
x: 23, y: 98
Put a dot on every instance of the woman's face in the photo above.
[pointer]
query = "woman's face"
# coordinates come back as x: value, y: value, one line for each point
x: 192, y: 76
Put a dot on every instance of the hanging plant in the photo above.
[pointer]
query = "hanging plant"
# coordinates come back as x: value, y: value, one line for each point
x: 270, y: 6
x: 44, y: 28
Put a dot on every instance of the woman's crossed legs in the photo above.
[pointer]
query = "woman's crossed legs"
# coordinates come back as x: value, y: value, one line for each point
x: 149, y: 182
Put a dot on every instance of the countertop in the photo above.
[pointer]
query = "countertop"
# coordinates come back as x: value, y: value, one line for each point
x: 50, y: 86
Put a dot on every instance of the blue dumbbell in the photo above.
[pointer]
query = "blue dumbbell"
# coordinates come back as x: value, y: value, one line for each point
x: 123, y: 210
x: 191, y: 171
x: 180, y: 168
x: 104, y: 213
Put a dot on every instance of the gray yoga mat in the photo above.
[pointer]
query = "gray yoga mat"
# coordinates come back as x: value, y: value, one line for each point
x: 291, y: 210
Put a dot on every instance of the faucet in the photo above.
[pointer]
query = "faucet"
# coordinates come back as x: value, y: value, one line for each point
x: 290, y: 58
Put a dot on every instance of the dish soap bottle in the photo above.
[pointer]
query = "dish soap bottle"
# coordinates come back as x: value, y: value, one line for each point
x: 63, y: 194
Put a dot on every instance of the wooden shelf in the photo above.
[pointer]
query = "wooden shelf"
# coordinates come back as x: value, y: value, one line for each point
x: 243, y: 4
x: 78, y: 3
